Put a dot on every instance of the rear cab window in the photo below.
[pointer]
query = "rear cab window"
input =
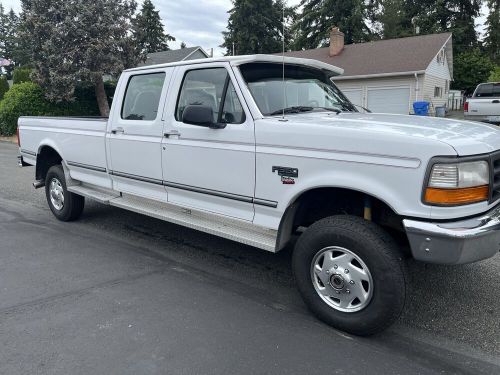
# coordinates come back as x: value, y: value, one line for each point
x: 488, y: 90
x: 142, y: 97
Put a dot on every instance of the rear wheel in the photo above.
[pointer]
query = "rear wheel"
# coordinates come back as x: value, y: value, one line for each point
x: 351, y: 274
x: 65, y: 206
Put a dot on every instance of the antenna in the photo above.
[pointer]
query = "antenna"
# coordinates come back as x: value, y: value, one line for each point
x: 283, y: 58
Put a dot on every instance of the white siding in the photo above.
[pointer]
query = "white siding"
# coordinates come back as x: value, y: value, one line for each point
x: 430, y: 83
x: 439, y: 69
x: 370, y: 83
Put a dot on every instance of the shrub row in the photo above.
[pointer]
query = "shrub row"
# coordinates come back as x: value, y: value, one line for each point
x: 27, y: 99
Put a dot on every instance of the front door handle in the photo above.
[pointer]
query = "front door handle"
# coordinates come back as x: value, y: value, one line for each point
x: 118, y: 130
x: 496, y: 101
x: 172, y: 133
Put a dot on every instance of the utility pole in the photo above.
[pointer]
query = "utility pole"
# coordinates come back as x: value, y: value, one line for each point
x: 233, y: 48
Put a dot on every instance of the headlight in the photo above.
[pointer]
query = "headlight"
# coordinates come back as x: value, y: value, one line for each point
x: 458, y: 183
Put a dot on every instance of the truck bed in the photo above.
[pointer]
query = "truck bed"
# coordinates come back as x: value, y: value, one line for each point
x: 79, y: 141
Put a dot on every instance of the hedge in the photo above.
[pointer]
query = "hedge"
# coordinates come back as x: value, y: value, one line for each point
x: 4, y: 86
x: 21, y: 75
x: 23, y: 99
x: 27, y: 99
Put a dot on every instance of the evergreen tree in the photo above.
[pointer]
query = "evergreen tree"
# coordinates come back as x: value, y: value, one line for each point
x: 255, y: 26
x: 77, y: 40
x: 317, y: 18
x: 183, y: 45
x: 149, y: 31
x: 470, y: 69
x: 492, y: 39
x: 8, y: 32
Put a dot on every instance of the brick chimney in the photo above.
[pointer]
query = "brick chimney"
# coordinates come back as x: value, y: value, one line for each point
x: 336, y: 41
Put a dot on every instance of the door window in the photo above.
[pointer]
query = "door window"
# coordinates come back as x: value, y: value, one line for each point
x: 142, y: 97
x: 212, y: 88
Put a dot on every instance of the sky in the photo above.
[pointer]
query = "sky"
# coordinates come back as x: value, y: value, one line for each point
x: 201, y: 22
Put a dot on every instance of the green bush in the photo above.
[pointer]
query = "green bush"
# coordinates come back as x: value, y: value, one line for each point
x: 27, y: 99
x: 21, y: 75
x: 23, y: 99
x: 4, y: 86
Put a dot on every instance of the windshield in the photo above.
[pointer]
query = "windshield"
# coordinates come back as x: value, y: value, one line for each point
x: 305, y: 89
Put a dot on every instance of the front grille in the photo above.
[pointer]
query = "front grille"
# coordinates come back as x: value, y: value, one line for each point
x: 495, y: 176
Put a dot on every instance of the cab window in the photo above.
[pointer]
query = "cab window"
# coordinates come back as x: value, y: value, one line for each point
x: 213, y: 88
x: 142, y: 97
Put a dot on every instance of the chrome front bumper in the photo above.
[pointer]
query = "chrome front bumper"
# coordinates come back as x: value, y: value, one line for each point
x: 456, y: 242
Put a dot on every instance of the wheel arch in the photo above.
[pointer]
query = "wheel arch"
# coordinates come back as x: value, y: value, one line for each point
x: 311, y: 205
x: 47, y: 156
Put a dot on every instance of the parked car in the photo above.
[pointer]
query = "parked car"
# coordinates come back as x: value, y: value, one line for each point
x: 228, y: 147
x: 484, y: 105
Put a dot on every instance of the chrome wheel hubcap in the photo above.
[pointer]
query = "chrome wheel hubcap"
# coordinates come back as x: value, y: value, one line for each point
x: 56, y: 194
x: 341, y: 279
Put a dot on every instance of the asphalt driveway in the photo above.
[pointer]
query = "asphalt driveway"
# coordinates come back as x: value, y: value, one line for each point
x: 120, y: 293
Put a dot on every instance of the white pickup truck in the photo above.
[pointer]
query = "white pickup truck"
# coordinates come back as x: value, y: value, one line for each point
x: 229, y: 147
x: 484, y: 105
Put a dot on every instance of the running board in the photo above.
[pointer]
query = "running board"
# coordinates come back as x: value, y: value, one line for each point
x: 232, y: 229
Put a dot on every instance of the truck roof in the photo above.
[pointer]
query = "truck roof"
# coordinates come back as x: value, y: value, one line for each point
x: 245, y: 59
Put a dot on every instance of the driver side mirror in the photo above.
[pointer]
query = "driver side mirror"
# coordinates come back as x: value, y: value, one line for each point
x: 200, y: 115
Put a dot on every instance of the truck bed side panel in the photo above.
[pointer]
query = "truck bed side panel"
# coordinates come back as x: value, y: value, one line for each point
x: 79, y: 141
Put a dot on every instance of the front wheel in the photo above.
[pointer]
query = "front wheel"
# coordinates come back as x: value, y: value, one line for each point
x: 351, y: 274
x: 65, y: 206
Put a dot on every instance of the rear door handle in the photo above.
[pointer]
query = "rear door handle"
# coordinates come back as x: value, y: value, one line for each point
x: 496, y: 101
x: 172, y: 133
x: 119, y: 130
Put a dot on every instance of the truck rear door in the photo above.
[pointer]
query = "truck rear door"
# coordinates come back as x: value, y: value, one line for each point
x: 135, y: 133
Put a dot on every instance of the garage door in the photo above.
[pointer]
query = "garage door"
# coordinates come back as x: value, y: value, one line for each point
x: 389, y: 100
x: 354, y: 96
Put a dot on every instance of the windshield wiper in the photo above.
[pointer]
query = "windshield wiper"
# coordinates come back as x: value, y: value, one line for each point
x: 296, y: 109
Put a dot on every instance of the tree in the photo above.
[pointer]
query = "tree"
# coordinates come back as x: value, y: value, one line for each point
x: 183, y: 45
x: 317, y: 18
x: 495, y: 74
x: 149, y: 31
x: 8, y: 32
x: 79, y: 41
x: 471, y: 68
x: 254, y: 26
x: 492, y: 36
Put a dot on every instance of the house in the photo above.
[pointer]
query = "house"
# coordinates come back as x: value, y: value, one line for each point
x: 389, y: 75
x: 175, y: 55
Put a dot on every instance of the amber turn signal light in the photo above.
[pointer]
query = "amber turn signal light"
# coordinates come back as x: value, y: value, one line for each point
x: 457, y: 196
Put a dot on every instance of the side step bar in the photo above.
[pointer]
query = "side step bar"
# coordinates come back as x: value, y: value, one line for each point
x: 232, y: 229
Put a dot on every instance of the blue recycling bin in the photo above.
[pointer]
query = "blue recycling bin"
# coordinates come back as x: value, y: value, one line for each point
x: 421, y: 108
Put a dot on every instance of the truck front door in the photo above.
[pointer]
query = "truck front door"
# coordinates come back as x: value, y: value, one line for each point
x: 135, y: 133
x: 203, y: 168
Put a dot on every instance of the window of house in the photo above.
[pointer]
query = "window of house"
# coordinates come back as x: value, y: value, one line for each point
x: 142, y: 97
x: 213, y: 88
x: 438, y: 92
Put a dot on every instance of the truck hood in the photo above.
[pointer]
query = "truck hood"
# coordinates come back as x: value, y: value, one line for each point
x: 465, y: 137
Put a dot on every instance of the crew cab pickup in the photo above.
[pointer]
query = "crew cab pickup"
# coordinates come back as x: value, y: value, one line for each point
x: 268, y: 152
x: 484, y: 105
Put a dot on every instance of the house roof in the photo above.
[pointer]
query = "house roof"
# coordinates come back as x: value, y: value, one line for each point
x: 171, y: 56
x: 390, y: 56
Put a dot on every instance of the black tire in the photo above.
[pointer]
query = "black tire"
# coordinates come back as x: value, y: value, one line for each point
x: 379, y: 253
x: 73, y: 203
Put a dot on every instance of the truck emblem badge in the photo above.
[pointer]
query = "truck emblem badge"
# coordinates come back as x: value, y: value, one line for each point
x: 287, y: 174
x: 287, y: 180
x: 286, y: 171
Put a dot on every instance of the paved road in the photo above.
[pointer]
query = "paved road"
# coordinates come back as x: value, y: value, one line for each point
x: 119, y: 293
